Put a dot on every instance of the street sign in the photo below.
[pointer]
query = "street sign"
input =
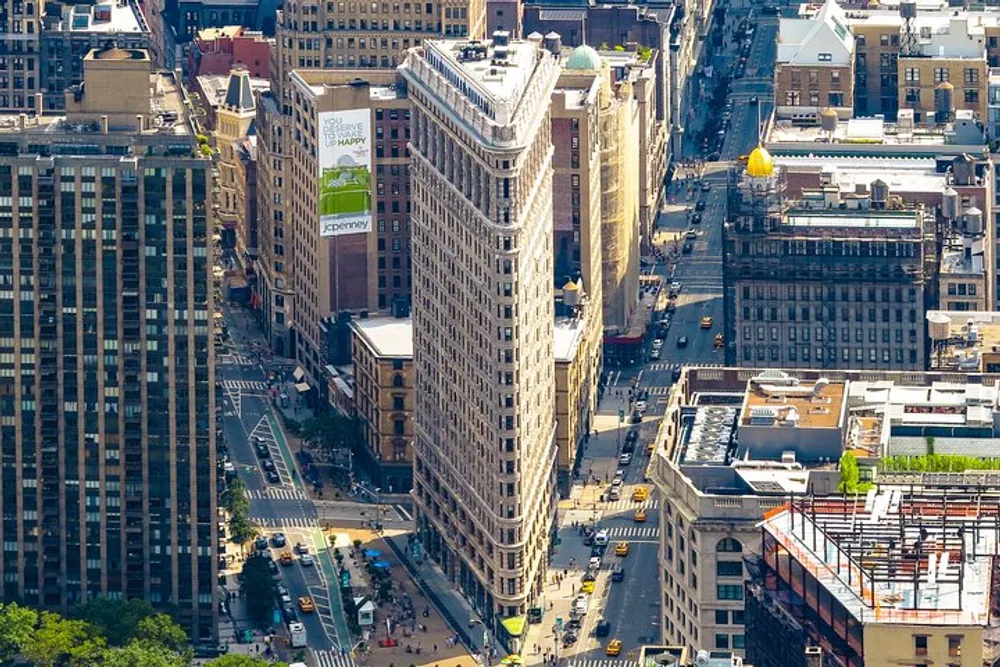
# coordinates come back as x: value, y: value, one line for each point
x: 621, y: 415
x: 559, y: 624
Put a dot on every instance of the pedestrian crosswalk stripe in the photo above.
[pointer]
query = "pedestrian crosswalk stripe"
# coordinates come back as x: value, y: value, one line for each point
x: 276, y: 493
x: 229, y: 358
x: 249, y: 385
x: 634, y: 531
x: 659, y: 391
x: 627, y: 504
x: 283, y: 522
x: 611, y: 662
x: 333, y: 659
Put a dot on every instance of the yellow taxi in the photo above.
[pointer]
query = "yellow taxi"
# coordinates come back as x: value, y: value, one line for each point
x: 286, y: 558
x: 640, y: 515
x: 650, y: 448
x: 621, y: 549
x: 706, y: 322
x: 588, y: 587
x: 614, y: 647
x: 641, y: 494
x: 306, y: 604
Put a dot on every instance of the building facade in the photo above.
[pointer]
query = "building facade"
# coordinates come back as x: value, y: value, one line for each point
x: 382, y: 353
x: 109, y: 482
x: 484, y: 469
x: 219, y: 50
x: 825, y: 286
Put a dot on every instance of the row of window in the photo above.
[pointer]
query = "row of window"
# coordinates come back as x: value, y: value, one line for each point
x: 805, y: 353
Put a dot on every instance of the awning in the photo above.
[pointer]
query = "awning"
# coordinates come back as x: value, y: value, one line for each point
x: 515, y: 625
x: 302, y: 387
x: 299, y: 374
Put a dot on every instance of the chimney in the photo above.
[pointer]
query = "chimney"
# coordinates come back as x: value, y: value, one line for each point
x: 104, y: 124
x: 22, y: 121
x: 140, y: 122
x: 39, y: 103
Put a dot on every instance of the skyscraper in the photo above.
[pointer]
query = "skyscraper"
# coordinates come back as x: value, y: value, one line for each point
x: 481, y: 173
x: 106, y: 367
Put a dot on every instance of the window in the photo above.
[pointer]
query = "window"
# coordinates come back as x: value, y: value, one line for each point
x: 912, y: 75
x: 729, y: 592
x: 721, y: 641
x: 940, y: 74
x: 721, y: 617
x: 971, y: 75
x: 920, y: 644
x: 739, y: 642
x: 954, y: 646
x: 729, y: 545
x: 835, y: 78
x: 825, y: 57
x: 971, y: 96
x: 725, y: 568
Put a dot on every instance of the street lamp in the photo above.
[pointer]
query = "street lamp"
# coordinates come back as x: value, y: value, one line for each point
x: 485, y: 641
x: 378, y: 509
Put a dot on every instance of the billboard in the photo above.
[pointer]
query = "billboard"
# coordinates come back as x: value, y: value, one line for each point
x: 345, y: 172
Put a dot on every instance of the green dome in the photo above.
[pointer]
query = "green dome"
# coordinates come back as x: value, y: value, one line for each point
x: 584, y: 58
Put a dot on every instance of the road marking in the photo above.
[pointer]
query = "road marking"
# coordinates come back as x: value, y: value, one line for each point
x: 249, y: 385
x: 403, y: 514
x: 626, y: 504
x: 284, y: 522
x: 333, y: 659
x: 276, y: 493
x: 634, y: 531
x: 609, y: 662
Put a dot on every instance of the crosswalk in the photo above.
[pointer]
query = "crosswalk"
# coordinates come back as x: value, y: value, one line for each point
x: 669, y: 366
x: 627, y: 504
x: 283, y: 522
x: 634, y: 532
x: 658, y: 390
x: 238, y: 359
x: 245, y: 385
x: 607, y: 662
x: 333, y: 659
x: 276, y: 493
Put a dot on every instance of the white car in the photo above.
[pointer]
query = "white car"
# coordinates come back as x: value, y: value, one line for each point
x: 302, y: 548
x: 641, y: 406
x: 625, y: 458
x: 658, y: 343
x: 595, y: 563
x: 306, y: 560
x: 675, y: 286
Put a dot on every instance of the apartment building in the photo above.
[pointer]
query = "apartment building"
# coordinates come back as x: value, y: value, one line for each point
x: 363, y: 262
x: 964, y: 342
x: 735, y: 445
x: 815, y: 66
x: 233, y: 120
x: 218, y: 50
x: 382, y: 354
x: 485, y: 450
x: 109, y: 482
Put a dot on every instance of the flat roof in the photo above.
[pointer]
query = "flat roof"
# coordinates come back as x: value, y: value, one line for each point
x: 105, y: 17
x: 318, y: 82
x: 387, y: 336
x: 900, y: 174
x: 854, y: 131
x: 962, y: 338
x: 567, y: 336
x: 503, y: 83
x: 954, y: 261
x: 214, y: 87
x: 854, y: 219
x: 775, y: 398
x: 883, y: 566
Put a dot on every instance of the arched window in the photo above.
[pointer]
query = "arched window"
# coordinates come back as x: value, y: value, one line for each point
x: 728, y: 545
x: 397, y: 380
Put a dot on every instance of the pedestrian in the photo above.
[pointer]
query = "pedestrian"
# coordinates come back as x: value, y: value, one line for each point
x: 435, y: 648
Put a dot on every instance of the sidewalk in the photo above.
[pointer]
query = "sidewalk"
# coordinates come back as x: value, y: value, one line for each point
x: 436, y: 642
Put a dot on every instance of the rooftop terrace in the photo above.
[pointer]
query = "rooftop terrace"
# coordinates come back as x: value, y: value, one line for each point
x: 964, y: 341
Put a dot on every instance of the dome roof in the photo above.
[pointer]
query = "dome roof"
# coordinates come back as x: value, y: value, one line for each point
x: 760, y: 164
x: 584, y: 58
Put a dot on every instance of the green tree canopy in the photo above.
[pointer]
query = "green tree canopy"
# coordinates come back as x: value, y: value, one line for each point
x: 117, y: 620
x: 162, y: 630
x: 331, y: 431
x: 850, y: 474
x: 240, y: 660
x: 257, y: 586
x: 60, y: 641
x: 144, y: 654
x: 17, y: 627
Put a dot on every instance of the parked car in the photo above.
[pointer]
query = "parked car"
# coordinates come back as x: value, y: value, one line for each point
x: 687, y: 248
x: 272, y: 477
x: 603, y: 628
x: 700, y: 206
x: 625, y: 458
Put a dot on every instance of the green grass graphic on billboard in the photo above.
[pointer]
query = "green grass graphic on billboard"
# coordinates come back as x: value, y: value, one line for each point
x: 345, y: 201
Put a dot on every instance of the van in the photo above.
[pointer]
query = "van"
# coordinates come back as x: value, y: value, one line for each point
x: 615, y: 493
x: 601, y: 538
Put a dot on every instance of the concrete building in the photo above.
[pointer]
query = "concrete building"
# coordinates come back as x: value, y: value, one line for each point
x: 70, y: 31
x: 505, y: 15
x: 485, y: 452
x: 966, y: 342
x: 247, y: 218
x: 382, y: 355
x: 234, y: 122
x: 210, y: 93
x: 218, y: 50
x: 823, y: 282
x: 577, y: 349
x: 733, y: 447
x: 923, y: 595
x: 353, y: 271
x: 815, y: 66
x: 109, y: 440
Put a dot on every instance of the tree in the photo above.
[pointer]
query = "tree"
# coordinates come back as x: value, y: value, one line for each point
x: 331, y: 432
x: 257, y: 588
x: 161, y: 630
x: 143, y: 653
x: 17, y: 627
x: 234, y: 498
x: 117, y: 620
x: 850, y: 475
x: 59, y: 641
x: 240, y: 660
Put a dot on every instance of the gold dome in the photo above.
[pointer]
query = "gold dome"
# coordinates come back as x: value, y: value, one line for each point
x: 760, y: 164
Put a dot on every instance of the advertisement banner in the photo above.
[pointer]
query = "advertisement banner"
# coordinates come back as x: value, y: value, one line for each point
x: 345, y: 172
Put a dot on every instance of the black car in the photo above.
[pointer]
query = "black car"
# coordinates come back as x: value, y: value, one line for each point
x: 261, y: 542
x: 263, y: 451
x: 696, y: 219
x: 589, y: 576
x: 267, y: 465
x: 688, y: 248
x: 570, y: 638
x: 636, y: 417
x: 618, y: 574
x: 272, y: 477
x: 278, y: 539
x: 700, y: 206
x: 603, y: 628
x: 632, y: 435
x: 574, y: 624
x: 272, y: 567
x: 675, y: 374
x: 288, y: 613
x: 628, y: 447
